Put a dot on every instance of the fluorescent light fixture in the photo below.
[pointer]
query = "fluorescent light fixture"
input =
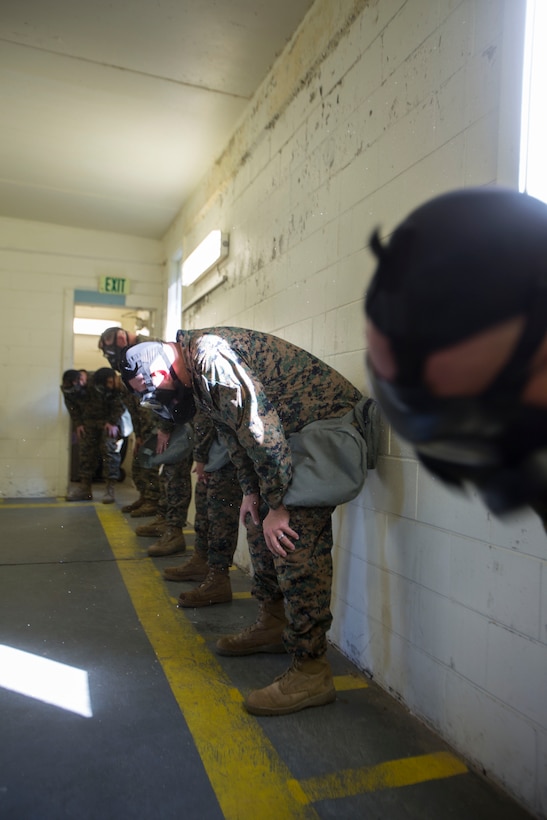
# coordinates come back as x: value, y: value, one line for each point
x: 92, y: 327
x: 207, y: 254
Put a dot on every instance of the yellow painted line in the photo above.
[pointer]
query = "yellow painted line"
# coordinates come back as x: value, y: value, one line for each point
x: 59, y: 502
x: 391, y: 775
x: 345, y: 683
x: 246, y: 773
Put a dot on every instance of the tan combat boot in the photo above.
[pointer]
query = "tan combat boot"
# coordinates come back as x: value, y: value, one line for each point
x: 265, y: 635
x: 195, y: 569
x: 154, y: 529
x: 81, y: 493
x: 127, y: 508
x: 216, y: 589
x: 170, y: 542
x: 108, y: 497
x: 145, y: 510
x: 308, y: 682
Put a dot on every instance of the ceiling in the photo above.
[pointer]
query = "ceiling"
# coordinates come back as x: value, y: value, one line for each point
x: 113, y: 110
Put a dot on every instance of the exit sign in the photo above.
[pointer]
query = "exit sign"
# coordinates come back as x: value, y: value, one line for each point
x: 114, y: 284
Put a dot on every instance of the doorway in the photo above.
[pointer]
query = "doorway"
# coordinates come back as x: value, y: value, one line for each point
x: 89, y: 321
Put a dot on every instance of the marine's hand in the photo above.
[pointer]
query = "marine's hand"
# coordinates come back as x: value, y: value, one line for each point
x: 278, y: 534
x: 199, y: 470
x: 163, y: 441
x: 250, y: 505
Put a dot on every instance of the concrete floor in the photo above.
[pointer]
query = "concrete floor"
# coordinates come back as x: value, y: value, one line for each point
x: 123, y: 710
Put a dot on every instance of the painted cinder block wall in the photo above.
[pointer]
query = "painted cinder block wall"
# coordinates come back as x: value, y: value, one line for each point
x: 373, y: 108
x: 40, y: 267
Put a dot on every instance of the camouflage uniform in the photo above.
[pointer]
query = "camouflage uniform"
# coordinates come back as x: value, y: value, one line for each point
x: 175, y: 483
x: 145, y: 479
x: 258, y: 389
x: 174, y: 488
x: 73, y: 398
x: 176, y: 492
x: 96, y: 408
x: 217, y: 502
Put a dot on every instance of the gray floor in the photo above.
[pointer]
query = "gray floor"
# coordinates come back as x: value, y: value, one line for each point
x: 63, y: 598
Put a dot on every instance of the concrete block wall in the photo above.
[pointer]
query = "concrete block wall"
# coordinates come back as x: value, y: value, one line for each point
x: 373, y: 108
x: 40, y: 267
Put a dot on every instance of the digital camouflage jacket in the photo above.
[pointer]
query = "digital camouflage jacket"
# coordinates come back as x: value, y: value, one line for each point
x: 258, y: 389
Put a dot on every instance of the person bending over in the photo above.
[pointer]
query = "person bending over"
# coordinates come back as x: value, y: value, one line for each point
x: 258, y: 389
x: 457, y: 341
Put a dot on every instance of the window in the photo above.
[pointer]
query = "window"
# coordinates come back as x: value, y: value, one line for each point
x: 533, y: 152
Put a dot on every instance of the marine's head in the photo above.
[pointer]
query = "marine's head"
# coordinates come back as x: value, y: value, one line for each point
x: 70, y: 381
x: 457, y: 340
x: 112, y: 342
x: 104, y: 379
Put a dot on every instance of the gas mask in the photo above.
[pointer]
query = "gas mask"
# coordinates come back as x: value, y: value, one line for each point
x: 100, y: 379
x: 114, y: 356
x: 71, y: 385
x: 498, y: 446
x: 460, y: 264
x: 72, y: 389
x: 110, y: 349
x: 176, y: 405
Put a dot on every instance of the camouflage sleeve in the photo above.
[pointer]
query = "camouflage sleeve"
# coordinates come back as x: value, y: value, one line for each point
x: 132, y: 404
x: 74, y: 408
x: 246, y: 475
x: 257, y: 442
x: 204, y: 435
x: 116, y: 407
x: 164, y: 425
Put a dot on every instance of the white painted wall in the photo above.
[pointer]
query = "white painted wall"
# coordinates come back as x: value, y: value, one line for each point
x: 40, y: 266
x: 373, y: 108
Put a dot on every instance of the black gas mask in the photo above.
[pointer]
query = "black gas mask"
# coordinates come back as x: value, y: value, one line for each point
x: 100, y: 379
x: 109, y: 348
x: 71, y: 385
x: 114, y: 356
x: 75, y: 389
x: 498, y: 446
x: 455, y: 267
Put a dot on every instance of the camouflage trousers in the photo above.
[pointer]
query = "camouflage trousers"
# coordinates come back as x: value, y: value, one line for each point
x: 146, y: 480
x: 175, y: 492
x: 95, y: 445
x: 217, y: 516
x: 303, y: 578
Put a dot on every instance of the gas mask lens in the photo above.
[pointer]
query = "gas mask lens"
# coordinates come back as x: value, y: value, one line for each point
x: 114, y: 356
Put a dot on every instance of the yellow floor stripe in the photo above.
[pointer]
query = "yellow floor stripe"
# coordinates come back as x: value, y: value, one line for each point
x: 345, y: 683
x: 234, y: 750
x: 58, y: 502
x: 390, y: 775
x: 246, y: 773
